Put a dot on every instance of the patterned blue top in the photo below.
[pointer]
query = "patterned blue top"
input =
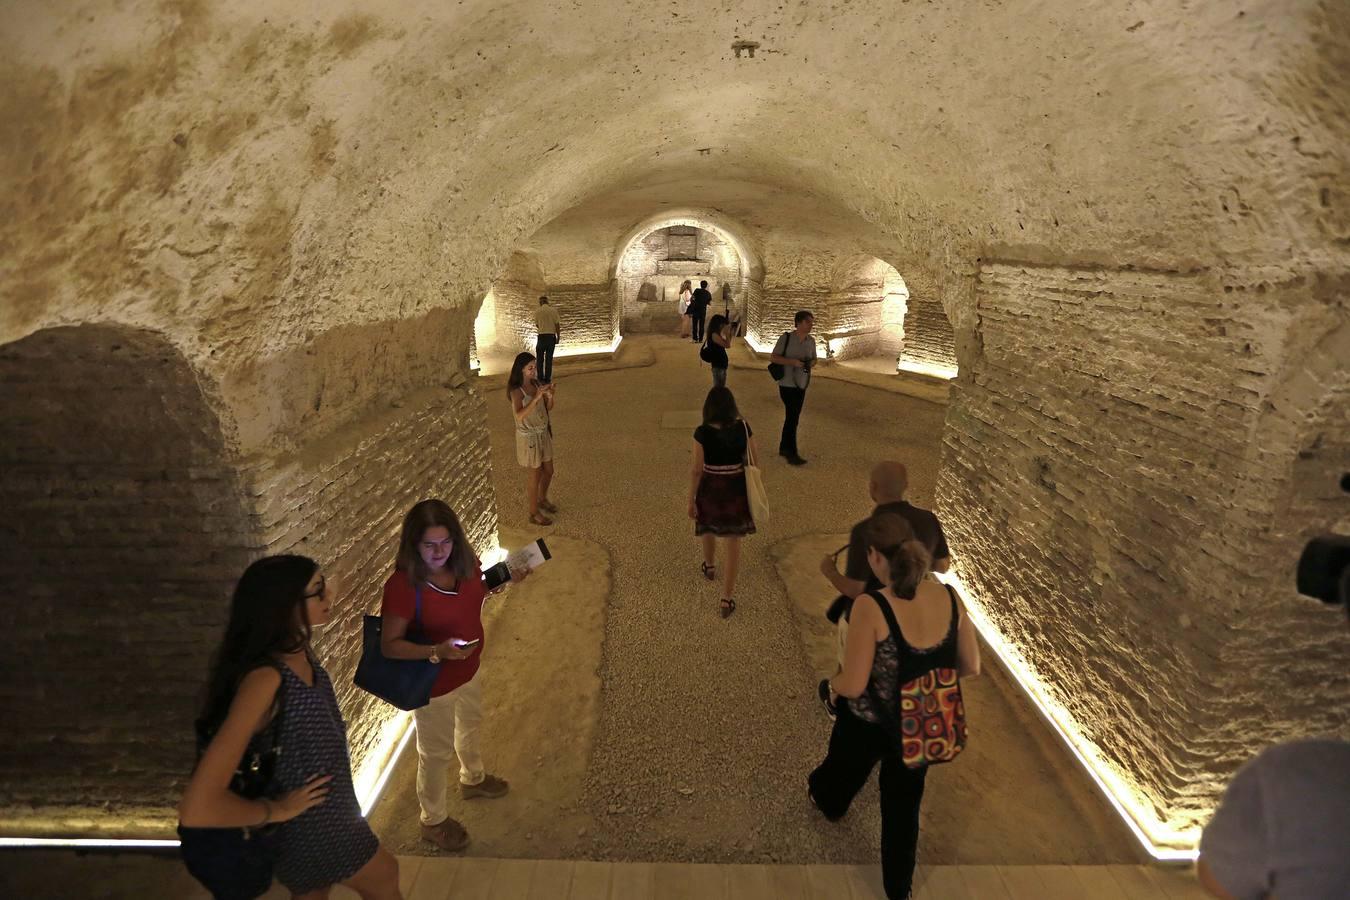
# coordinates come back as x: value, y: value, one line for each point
x: 330, y: 842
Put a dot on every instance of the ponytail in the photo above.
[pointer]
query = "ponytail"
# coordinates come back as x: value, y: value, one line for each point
x: 909, y: 562
x: 893, y: 537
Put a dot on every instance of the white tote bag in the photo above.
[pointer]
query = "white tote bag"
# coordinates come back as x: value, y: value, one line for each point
x: 754, y: 484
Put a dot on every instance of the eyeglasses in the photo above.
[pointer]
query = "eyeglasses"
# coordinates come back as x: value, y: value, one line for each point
x: 323, y: 586
x: 835, y: 554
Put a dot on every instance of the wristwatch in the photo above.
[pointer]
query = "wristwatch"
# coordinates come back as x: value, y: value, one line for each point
x: 435, y: 653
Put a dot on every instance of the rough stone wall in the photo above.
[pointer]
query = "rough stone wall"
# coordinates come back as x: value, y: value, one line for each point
x: 656, y: 260
x: 894, y: 306
x: 516, y: 296
x: 928, y: 336
x: 588, y: 315
x: 123, y: 530
x: 1102, y: 521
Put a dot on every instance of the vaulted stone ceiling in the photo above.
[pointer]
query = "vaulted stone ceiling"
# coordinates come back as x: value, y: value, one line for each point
x: 1134, y: 213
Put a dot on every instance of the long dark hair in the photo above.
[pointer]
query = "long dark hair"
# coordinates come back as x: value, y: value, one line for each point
x: 893, y: 537
x: 714, y: 326
x: 517, y: 376
x: 267, y: 617
x: 429, y: 514
x: 719, y: 407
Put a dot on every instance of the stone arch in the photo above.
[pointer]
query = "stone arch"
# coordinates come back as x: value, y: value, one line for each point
x: 504, y: 323
x: 122, y: 537
x: 744, y: 274
x: 865, y: 310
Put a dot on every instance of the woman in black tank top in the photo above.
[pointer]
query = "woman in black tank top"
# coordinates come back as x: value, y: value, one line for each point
x: 934, y: 633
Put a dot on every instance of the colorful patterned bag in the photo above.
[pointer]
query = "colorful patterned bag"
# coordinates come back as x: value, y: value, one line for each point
x: 931, y: 721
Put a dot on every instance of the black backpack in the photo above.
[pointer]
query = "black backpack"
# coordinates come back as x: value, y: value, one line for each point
x: 705, y: 352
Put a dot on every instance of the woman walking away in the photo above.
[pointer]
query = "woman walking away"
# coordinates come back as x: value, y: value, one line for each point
x: 686, y: 294
x: 933, y: 633
x: 718, y: 503
x: 436, y: 594
x: 267, y: 693
x: 531, y: 404
x: 714, y: 351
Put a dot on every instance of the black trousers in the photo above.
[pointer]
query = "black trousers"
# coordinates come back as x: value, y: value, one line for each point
x: 543, y: 354
x: 855, y: 748
x: 696, y: 325
x: 793, y: 398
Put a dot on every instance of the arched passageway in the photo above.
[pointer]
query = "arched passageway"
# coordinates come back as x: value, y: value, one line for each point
x: 122, y: 533
x: 312, y: 201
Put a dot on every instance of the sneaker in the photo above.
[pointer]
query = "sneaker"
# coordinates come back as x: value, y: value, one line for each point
x: 490, y: 788
x: 450, y: 836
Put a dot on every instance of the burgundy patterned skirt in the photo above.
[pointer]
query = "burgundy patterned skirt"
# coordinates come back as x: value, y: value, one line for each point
x: 723, y: 507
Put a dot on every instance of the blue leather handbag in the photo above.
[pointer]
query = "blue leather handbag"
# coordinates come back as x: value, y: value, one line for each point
x: 405, y: 683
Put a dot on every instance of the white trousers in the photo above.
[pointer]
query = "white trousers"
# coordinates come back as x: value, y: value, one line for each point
x: 447, y: 728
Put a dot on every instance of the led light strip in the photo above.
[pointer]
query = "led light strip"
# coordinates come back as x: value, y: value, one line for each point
x: 919, y: 368
x: 1171, y: 845
x: 586, y: 349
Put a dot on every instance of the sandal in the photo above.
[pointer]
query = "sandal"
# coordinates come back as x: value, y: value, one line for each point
x: 547, y: 507
x: 541, y: 519
x: 709, y: 572
x: 728, y: 607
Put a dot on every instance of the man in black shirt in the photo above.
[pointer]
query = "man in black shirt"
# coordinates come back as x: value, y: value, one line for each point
x: 698, y: 310
x: 887, y: 486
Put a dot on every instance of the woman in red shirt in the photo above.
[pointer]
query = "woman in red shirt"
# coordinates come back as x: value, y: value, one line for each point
x: 436, y: 562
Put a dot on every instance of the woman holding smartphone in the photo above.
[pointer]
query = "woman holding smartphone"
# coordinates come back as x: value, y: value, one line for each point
x: 437, y: 570
x: 531, y: 404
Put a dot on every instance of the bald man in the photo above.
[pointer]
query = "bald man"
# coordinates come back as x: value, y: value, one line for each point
x: 887, y: 486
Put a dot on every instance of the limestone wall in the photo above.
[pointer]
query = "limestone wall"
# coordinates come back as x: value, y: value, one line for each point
x: 658, y: 261
x: 928, y: 336
x: 1116, y: 538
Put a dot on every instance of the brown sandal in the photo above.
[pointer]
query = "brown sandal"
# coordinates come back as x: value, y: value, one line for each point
x: 539, y: 519
x: 728, y: 607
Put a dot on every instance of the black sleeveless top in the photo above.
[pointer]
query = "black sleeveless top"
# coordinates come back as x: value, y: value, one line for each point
x: 896, y: 662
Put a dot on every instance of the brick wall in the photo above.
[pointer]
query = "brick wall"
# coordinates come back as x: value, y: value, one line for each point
x: 654, y: 261
x: 587, y: 313
x: 1097, y: 487
x: 122, y: 533
x: 126, y: 526
x: 516, y: 296
x: 927, y: 333
x: 777, y: 306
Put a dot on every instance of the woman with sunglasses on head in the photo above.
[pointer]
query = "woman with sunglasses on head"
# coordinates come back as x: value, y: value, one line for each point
x: 532, y: 404
x: 267, y: 690
x: 436, y: 594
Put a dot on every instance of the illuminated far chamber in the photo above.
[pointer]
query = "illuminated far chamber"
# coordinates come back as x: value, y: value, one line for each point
x: 918, y: 368
x: 1159, y: 840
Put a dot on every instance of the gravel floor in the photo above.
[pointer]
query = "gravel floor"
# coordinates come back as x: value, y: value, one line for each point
x: 708, y: 727
x: 705, y: 728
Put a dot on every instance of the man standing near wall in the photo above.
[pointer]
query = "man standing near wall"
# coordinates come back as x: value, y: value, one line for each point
x: 550, y: 333
x: 795, y: 352
x: 698, y: 310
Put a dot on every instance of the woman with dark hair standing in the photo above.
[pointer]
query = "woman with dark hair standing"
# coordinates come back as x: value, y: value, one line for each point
x: 714, y: 351
x: 935, y: 633
x: 438, y: 573
x: 718, y: 502
x: 531, y: 404
x: 265, y: 678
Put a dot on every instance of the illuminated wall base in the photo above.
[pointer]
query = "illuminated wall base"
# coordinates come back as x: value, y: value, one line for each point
x: 919, y: 368
x: 1161, y: 842
x: 566, y: 350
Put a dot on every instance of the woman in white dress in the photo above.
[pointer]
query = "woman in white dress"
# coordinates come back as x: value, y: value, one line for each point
x: 686, y: 294
x: 531, y: 403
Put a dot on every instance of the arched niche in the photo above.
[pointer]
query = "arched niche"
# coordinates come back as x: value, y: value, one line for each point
x: 505, y: 320
x: 124, y: 527
x: 660, y: 252
x: 865, y: 311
